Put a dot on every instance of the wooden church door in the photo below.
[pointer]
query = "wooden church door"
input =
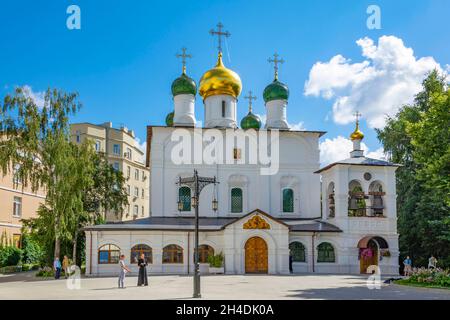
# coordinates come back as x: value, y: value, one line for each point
x: 256, y: 256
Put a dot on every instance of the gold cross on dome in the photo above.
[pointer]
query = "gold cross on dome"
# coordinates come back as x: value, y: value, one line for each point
x: 250, y: 97
x: 183, y: 57
x: 357, y: 116
x: 276, y: 61
x: 219, y: 34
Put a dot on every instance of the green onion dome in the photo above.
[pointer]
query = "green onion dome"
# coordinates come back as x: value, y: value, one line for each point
x: 169, y: 119
x: 183, y: 85
x: 250, y: 121
x: 276, y: 91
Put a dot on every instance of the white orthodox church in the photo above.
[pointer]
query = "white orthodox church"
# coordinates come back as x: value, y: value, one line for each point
x: 302, y: 219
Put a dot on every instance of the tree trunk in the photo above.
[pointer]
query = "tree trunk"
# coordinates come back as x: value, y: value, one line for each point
x: 57, y: 239
x: 74, y: 249
x: 57, y: 246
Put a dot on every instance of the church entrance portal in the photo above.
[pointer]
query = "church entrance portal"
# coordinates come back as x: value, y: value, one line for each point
x: 369, y: 256
x: 256, y: 256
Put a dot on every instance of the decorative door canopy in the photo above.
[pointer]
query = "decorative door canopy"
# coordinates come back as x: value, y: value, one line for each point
x: 256, y: 222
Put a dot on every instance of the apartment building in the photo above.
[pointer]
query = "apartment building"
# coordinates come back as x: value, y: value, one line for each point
x: 16, y: 203
x: 122, y: 151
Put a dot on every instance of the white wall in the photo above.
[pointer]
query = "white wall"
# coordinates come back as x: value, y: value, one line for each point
x: 299, y: 158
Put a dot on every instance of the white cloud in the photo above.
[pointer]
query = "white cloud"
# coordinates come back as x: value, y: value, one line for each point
x: 141, y: 146
x: 298, y: 126
x: 336, y: 149
x: 37, y: 97
x: 388, y: 78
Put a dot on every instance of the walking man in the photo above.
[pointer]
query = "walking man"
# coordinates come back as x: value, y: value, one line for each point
x: 408, y: 266
x: 57, y: 268
x: 123, y: 270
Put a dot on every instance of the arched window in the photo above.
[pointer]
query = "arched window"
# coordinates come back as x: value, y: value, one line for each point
x: 184, y: 195
x: 330, y: 200
x: 172, y: 254
x: 325, y: 252
x: 288, y: 200
x: 108, y: 254
x: 376, y: 195
x: 298, y: 251
x: 204, y: 251
x: 236, y: 200
x: 356, y: 200
x: 139, y: 249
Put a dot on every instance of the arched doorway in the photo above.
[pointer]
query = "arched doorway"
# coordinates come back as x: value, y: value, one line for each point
x: 369, y: 256
x: 369, y: 251
x: 256, y: 257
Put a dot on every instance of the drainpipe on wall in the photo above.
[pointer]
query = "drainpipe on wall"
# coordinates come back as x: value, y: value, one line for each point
x: 90, y: 255
x: 189, y: 252
x: 313, y: 250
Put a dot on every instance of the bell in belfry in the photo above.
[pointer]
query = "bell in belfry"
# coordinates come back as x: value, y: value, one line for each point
x: 377, y: 202
x: 353, y: 204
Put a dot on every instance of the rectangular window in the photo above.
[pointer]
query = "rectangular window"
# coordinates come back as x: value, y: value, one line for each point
x: 223, y: 109
x: 236, y: 153
x: 78, y: 136
x: 97, y: 145
x: 128, y: 171
x: 16, y: 177
x: 142, y: 193
x: 142, y: 212
x: 136, y: 191
x: 116, y: 166
x: 17, y: 240
x: 136, y: 174
x: 288, y: 200
x: 17, y: 207
x: 128, y: 154
x: 116, y: 149
x: 143, y: 175
x: 136, y: 210
x: 236, y: 200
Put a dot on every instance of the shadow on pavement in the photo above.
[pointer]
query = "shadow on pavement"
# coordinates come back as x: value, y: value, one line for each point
x: 387, y: 292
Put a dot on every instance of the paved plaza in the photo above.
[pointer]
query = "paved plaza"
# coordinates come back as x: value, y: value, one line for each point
x: 253, y: 287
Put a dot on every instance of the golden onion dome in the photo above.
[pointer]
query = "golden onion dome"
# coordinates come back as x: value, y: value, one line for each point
x: 220, y: 80
x: 357, y: 134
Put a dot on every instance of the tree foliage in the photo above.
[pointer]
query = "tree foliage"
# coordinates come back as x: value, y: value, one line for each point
x: 79, y: 183
x: 418, y: 137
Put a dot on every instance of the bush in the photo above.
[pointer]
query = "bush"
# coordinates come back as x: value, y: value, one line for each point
x: 10, y: 256
x: 32, y: 252
x: 432, y: 277
x: 30, y: 266
x: 45, y: 272
x: 216, y: 261
x: 10, y: 269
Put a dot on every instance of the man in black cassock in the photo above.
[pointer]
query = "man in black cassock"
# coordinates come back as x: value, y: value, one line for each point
x: 142, y: 278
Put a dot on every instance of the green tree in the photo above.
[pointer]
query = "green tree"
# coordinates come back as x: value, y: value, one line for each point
x: 104, y: 192
x: 36, y: 139
x: 418, y: 138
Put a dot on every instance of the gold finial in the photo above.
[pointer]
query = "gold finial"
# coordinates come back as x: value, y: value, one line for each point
x: 357, y: 134
x: 183, y: 57
x: 219, y: 60
x: 219, y: 34
x: 250, y: 97
x: 276, y: 61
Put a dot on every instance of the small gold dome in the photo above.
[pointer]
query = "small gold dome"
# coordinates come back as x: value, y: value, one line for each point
x: 357, y: 134
x: 220, y: 80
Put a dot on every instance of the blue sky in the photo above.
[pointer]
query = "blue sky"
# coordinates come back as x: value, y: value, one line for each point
x: 122, y: 61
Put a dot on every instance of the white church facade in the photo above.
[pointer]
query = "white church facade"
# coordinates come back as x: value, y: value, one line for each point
x: 300, y: 218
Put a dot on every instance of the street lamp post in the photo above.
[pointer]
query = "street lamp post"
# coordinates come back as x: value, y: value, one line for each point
x: 197, y: 183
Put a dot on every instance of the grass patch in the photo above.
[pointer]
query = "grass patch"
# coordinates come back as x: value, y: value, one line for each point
x: 419, y: 284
